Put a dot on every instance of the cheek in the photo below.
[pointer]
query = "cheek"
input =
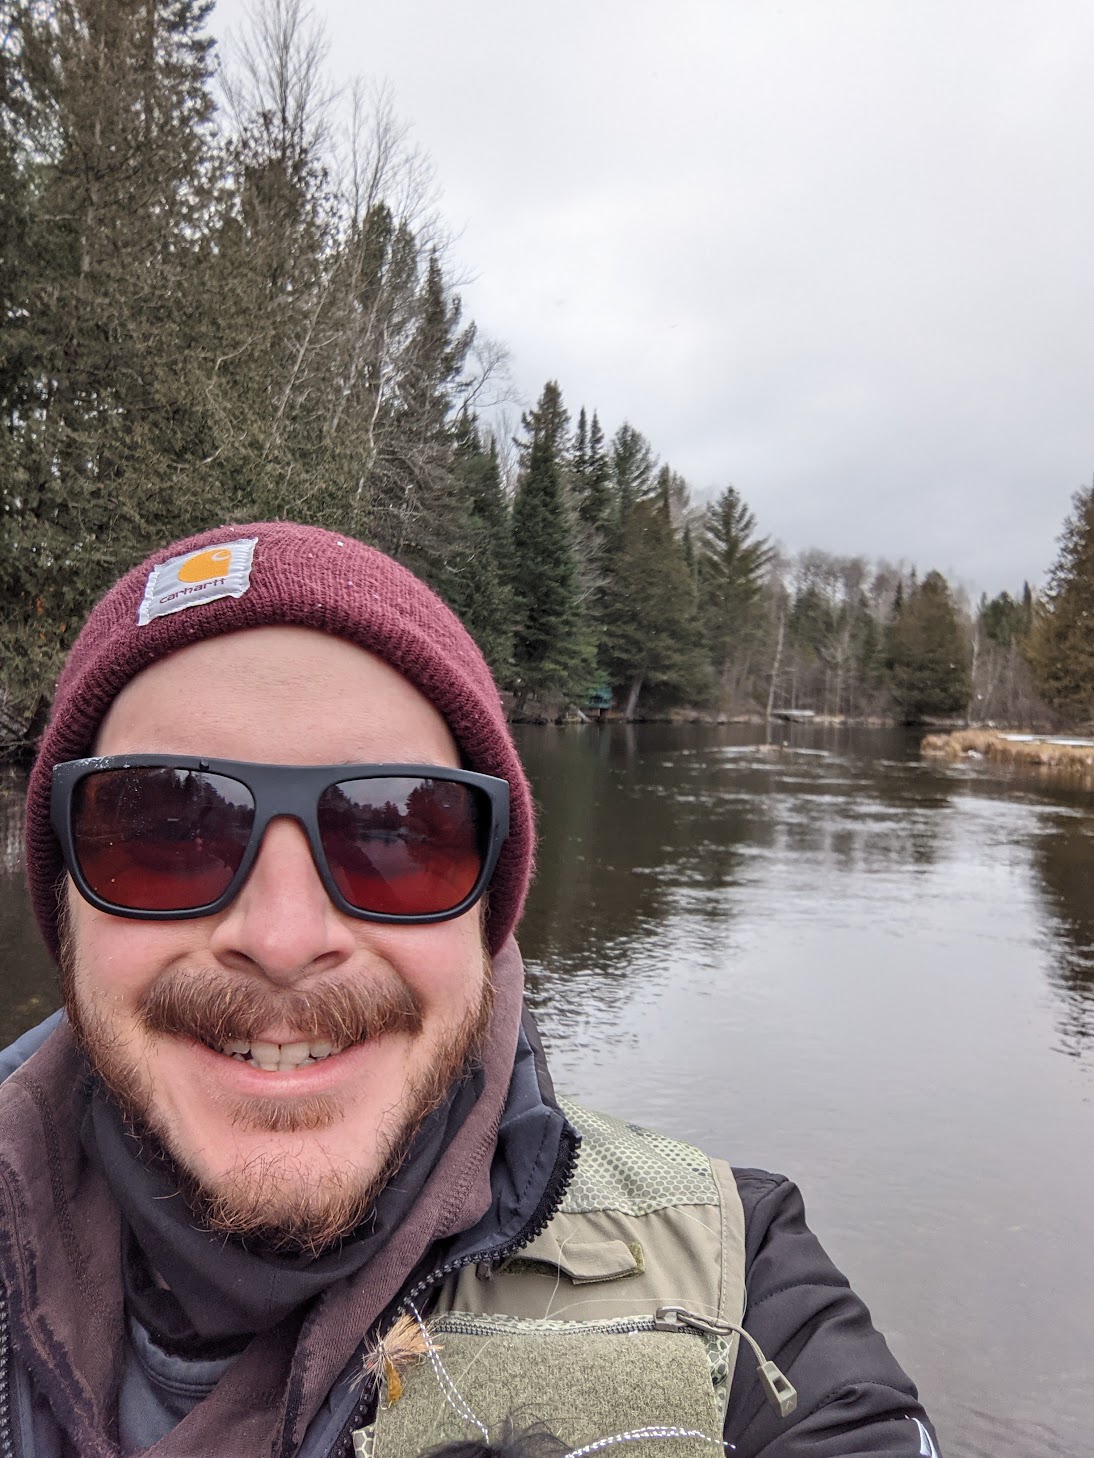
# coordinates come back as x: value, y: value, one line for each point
x: 443, y: 964
x: 113, y: 959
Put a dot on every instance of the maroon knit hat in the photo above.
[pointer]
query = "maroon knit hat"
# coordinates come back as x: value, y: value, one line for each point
x: 301, y: 575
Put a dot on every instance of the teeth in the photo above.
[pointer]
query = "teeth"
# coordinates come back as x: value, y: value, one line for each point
x: 278, y: 1057
x: 266, y: 1055
x: 295, y: 1053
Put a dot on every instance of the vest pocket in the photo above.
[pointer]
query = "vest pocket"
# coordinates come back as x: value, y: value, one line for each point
x: 581, y: 1262
x: 581, y: 1381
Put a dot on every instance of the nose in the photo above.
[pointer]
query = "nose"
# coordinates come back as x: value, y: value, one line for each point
x: 282, y: 923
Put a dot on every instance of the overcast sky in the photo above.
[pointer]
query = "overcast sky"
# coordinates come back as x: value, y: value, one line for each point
x: 839, y: 253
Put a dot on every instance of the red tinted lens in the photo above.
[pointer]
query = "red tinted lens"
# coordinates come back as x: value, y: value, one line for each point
x: 158, y: 839
x: 402, y: 846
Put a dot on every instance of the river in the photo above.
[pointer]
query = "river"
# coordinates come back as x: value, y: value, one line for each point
x: 833, y: 959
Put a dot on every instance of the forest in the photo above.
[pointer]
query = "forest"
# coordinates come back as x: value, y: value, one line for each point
x: 227, y: 295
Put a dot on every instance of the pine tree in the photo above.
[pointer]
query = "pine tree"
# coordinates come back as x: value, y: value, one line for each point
x: 632, y: 468
x: 551, y: 657
x: 732, y: 563
x: 416, y: 514
x: 1061, y: 642
x: 589, y: 477
x: 474, y: 578
x: 107, y: 147
x: 1002, y: 619
x: 652, y: 639
x: 929, y: 653
x: 579, y: 450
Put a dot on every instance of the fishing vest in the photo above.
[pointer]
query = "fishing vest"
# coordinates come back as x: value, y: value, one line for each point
x: 617, y: 1319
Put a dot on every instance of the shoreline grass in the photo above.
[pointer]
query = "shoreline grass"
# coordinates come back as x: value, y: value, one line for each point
x: 1074, y: 762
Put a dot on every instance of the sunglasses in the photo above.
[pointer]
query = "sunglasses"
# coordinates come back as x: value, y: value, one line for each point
x: 163, y: 836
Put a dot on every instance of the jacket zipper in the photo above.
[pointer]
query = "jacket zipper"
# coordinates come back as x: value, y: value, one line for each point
x: 460, y: 1323
x: 7, y: 1431
x: 779, y: 1391
x: 550, y: 1200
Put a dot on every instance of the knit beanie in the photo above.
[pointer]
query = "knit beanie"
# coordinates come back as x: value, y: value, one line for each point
x: 251, y: 576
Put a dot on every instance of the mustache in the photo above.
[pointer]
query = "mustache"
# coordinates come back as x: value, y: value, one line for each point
x: 218, y: 1009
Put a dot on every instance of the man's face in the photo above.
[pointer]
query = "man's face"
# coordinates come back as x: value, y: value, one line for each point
x: 300, y: 1151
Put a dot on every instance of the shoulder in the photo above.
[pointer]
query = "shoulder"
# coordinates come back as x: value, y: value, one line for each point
x: 853, y: 1396
x: 17, y: 1053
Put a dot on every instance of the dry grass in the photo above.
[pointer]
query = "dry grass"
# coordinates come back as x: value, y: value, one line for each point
x: 1076, y: 761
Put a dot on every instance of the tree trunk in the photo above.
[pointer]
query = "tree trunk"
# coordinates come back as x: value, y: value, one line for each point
x: 775, y: 666
x: 632, y: 698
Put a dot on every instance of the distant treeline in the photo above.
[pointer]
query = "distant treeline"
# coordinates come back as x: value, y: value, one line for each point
x: 217, y: 307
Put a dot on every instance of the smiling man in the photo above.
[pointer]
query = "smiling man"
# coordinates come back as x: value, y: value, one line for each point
x: 291, y: 1165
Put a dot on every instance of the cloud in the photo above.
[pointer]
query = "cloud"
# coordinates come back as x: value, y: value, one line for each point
x: 838, y: 255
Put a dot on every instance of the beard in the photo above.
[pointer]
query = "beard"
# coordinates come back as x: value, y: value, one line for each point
x: 283, y: 1199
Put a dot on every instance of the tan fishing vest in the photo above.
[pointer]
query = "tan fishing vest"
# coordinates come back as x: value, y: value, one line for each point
x: 572, y: 1332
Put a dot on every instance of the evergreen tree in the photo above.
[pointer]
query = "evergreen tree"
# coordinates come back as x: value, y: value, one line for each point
x: 551, y: 657
x: 1061, y: 643
x: 590, y: 472
x: 418, y: 505
x: 589, y: 497
x: 870, y: 661
x: 579, y: 450
x: 474, y: 579
x: 1003, y: 620
x: 732, y: 562
x: 202, y: 325
x: 107, y: 147
x: 632, y: 466
x: 651, y: 632
x: 929, y: 653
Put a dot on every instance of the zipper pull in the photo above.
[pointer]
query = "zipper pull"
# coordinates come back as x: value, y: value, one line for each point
x: 779, y: 1392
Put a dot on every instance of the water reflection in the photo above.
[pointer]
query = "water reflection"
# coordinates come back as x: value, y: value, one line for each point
x: 30, y: 983
x: 642, y: 827
x: 1064, y: 860
x: 836, y: 959
x: 11, y: 822
x: 833, y: 958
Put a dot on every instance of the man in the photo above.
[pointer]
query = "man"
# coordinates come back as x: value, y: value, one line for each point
x: 290, y: 1178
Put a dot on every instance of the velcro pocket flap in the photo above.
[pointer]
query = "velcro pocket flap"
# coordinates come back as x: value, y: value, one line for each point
x: 580, y: 1384
x: 582, y: 1261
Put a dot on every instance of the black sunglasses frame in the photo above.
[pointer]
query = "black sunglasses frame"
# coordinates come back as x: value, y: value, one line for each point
x: 290, y: 790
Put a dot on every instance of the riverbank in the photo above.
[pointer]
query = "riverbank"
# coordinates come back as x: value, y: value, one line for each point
x: 1068, y: 756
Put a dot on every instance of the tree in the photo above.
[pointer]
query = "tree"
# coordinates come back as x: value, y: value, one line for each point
x: 203, y: 324
x: 108, y: 148
x: 551, y: 657
x: 588, y: 494
x: 632, y: 466
x: 1061, y: 643
x: 590, y: 471
x: 732, y: 562
x: 1002, y: 685
x: 1004, y: 620
x: 929, y: 653
x: 651, y: 634
x: 474, y: 578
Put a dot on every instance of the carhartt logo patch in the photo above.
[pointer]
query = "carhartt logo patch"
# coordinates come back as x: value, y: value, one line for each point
x: 203, y: 576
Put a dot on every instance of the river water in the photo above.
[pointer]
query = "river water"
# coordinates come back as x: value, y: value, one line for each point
x: 832, y: 959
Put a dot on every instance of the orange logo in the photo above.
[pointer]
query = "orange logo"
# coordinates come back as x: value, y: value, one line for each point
x: 204, y: 566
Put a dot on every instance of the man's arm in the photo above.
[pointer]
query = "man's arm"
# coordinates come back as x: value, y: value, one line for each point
x: 853, y: 1398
